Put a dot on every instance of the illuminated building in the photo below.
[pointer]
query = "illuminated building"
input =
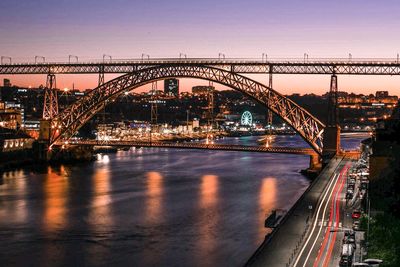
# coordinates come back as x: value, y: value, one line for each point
x: 171, y: 87
x: 202, y: 89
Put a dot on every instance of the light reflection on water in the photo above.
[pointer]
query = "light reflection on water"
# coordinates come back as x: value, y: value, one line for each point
x: 147, y: 207
x: 154, y: 191
x: 267, y: 200
x: 208, y: 200
x: 55, y: 190
x: 99, y: 213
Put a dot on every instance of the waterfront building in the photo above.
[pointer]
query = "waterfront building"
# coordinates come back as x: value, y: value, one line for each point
x: 12, y: 141
x: 10, y: 118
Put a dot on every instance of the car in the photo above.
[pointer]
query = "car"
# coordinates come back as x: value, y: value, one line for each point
x: 349, y: 195
x: 349, y: 241
x: 350, y: 187
x: 356, y: 225
x: 350, y: 191
x: 373, y: 262
x: 356, y: 214
x: 345, y: 261
x: 350, y: 233
x: 352, y: 181
x: 364, y: 185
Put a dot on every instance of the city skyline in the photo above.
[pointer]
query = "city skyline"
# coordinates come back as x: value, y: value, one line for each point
x: 125, y: 29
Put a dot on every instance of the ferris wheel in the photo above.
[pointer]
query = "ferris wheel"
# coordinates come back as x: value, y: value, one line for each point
x: 247, y: 119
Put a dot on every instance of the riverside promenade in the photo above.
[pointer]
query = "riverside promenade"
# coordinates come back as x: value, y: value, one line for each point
x: 282, y: 245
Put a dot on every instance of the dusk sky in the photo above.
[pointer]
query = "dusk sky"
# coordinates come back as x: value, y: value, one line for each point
x: 126, y: 29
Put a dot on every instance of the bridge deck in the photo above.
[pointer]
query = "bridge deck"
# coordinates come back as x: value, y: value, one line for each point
x: 366, y: 66
x: 286, y: 150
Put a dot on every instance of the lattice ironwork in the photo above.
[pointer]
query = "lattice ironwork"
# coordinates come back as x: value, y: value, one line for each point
x: 333, y: 111
x: 323, y: 66
x: 50, y: 106
x: 72, y: 118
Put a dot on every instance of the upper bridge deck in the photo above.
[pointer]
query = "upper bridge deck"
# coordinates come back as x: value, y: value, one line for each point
x: 355, y: 66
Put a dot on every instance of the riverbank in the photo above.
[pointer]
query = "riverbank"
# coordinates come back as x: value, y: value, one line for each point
x: 279, y: 245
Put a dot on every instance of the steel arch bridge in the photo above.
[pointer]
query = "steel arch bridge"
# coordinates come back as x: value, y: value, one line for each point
x: 68, y: 122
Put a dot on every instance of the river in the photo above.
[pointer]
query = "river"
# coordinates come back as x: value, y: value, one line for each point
x: 149, y: 207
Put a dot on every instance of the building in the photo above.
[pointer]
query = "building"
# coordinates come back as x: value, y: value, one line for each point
x: 381, y: 94
x: 6, y: 83
x: 171, y: 87
x: 202, y: 89
x: 10, y: 118
x: 12, y: 141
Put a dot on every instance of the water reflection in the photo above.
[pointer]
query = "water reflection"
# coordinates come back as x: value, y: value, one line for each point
x: 14, y: 181
x: 267, y: 201
x: 209, y: 217
x: 55, y: 190
x: 99, y: 215
x: 208, y: 190
x: 154, y: 192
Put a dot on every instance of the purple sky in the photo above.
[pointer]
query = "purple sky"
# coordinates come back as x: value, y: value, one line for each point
x: 126, y: 29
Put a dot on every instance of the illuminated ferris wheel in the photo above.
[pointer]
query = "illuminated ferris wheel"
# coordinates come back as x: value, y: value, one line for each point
x: 247, y: 119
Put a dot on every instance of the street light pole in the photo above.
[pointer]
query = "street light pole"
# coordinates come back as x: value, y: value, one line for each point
x: 106, y: 56
x: 305, y: 57
x: 40, y: 57
x: 72, y: 56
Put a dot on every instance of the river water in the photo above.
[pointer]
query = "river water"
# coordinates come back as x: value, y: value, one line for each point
x: 149, y: 207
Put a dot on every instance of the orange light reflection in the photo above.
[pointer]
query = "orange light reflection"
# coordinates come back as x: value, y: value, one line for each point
x: 154, y: 196
x: 100, y: 204
x: 267, y: 202
x: 56, y: 194
x: 209, y: 219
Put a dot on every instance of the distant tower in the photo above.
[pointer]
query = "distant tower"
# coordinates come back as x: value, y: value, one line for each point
x: 50, y: 107
x: 210, y: 98
x: 171, y: 87
x: 154, y: 107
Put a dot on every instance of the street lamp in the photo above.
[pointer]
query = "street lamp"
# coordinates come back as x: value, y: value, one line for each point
x: 350, y: 56
x: 72, y: 56
x: 39, y: 57
x: 397, y: 58
x: 106, y: 56
x: 305, y: 57
x: 266, y: 57
x: 9, y: 59
x: 145, y: 55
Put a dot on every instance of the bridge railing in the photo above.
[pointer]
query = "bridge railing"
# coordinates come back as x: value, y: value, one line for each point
x: 211, y: 60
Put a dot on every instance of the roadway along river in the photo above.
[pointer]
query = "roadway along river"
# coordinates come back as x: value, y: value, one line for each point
x: 148, y: 207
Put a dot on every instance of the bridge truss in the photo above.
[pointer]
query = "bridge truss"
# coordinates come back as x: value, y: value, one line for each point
x: 361, y: 67
x: 67, y: 123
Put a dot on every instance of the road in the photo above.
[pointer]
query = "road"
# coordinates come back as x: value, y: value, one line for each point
x: 322, y: 244
x: 281, y: 247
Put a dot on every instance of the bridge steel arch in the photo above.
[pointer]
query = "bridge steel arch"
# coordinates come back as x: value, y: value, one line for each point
x: 68, y: 122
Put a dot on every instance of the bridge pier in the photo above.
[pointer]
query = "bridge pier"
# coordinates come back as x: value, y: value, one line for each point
x: 315, y: 162
x: 331, y: 141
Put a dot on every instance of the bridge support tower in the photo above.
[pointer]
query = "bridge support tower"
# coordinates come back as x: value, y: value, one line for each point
x: 50, y: 110
x: 50, y: 107
x: 269, y: 112
x: 332, y: 130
